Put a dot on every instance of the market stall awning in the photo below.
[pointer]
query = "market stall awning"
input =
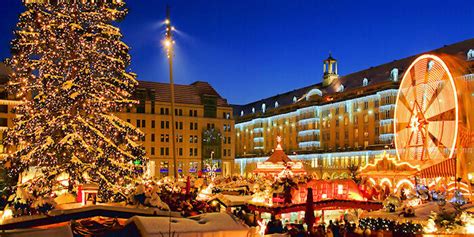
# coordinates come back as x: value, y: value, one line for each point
x: 445, y: 168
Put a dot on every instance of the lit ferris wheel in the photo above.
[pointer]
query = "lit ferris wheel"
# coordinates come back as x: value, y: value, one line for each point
x: 426, y: 111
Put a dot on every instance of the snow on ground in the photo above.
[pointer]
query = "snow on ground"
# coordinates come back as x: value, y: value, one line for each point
x: 72, y: 208
x: 422, y: 213
x: 62, y: 231
x: 205, y: 225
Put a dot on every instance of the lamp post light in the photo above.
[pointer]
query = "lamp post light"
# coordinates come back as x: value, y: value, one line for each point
x: 168, y: 44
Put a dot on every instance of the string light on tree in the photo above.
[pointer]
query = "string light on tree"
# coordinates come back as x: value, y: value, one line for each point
x: 70, y: 69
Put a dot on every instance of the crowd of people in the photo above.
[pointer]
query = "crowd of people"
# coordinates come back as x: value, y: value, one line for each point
x: 332, y: 229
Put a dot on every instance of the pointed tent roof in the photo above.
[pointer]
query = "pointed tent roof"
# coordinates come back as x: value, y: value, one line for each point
x: 278, y: 155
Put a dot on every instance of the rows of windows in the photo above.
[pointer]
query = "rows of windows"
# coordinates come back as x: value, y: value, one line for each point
x: 227, y: 152
x: 226, y: 140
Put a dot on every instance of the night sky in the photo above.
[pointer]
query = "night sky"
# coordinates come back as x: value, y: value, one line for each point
x: 252, y: 49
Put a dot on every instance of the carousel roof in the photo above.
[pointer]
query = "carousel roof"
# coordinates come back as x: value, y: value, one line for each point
x: 278, y: 162
x: 278, y: 155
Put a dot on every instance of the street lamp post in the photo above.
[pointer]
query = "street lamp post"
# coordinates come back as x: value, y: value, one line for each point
x: 168, y: 43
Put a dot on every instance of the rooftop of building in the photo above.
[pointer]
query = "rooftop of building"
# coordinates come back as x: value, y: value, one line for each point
x: 373, y: 77
x: 184, y: 94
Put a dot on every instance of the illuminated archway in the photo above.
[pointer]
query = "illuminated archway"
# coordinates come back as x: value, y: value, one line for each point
x: 404, y: 183
x: 326, y: 176
x: 386, y: 181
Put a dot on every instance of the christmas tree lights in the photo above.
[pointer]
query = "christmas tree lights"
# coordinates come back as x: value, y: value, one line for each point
x: 70, y: 70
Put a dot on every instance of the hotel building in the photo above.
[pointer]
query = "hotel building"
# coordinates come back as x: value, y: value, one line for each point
x: 342, y: 121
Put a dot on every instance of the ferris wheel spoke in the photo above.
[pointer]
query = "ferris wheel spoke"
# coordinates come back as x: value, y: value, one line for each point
x: 439, y: 145
x: 435, y: 95
x: 444, y: 116
x: 404, y: 101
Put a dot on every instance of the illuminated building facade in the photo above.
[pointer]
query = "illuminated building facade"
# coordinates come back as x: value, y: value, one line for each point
x: 204, y: 127
x: 330, y: 125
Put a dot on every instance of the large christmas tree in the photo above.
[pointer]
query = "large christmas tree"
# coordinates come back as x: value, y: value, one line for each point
x: 70, y: 69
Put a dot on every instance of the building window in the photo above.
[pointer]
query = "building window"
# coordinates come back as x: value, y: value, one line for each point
x: 3, y: 108
x: 3, y: 122
x: 193, y: 166
x: 341, y: 88
x: 152, y: 137
x: 366, y: 118
x: 470, y: 55
x: 190, y: 151
x: 152, y: 151
x: 164, y: 166
x: 365, y: 82
x: 337, y: 122
x: 138, y: 123
x: 180, y: 151
x: 143, y: 123
x: 394, y: 74
x: 366, y: 104
x: 376, y: 103
x: 152, y: 123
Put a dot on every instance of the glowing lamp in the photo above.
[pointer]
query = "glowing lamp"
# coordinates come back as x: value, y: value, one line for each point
x: 167, y: 43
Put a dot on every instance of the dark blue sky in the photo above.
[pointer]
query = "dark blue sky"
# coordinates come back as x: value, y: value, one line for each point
x: 251, y: 49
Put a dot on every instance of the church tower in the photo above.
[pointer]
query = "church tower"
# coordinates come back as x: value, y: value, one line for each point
x: 329, y: 70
